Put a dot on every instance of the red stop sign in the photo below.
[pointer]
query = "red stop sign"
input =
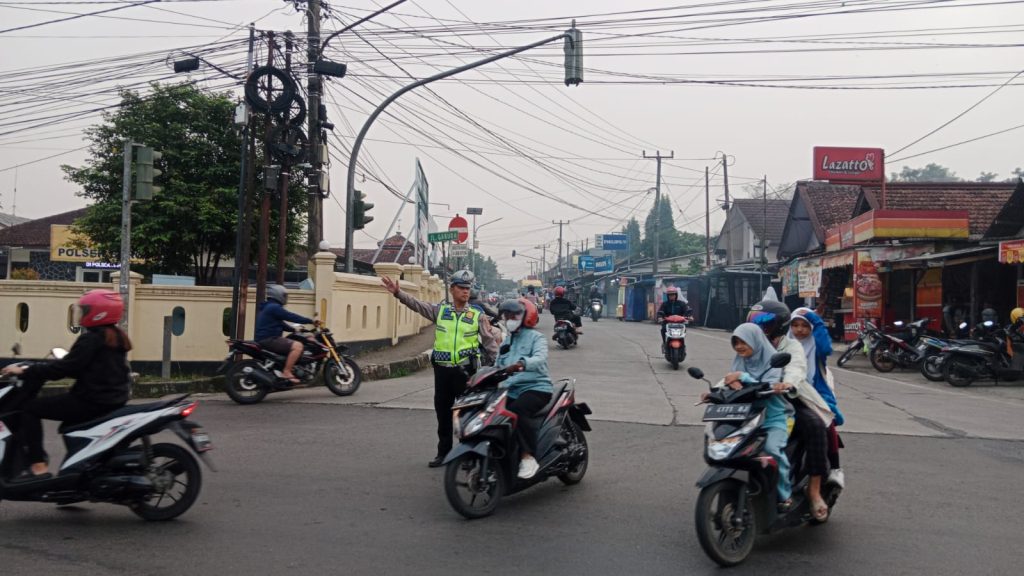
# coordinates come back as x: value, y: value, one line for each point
x: 460, y: 225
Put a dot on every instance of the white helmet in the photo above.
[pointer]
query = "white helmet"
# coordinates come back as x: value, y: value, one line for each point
x: 278, y: 293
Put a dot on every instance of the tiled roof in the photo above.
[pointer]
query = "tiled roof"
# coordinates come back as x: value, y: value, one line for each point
x: 1010, y: 220
x: 36, y: 233
x: 982, y: 200
x: 8, y: 220
x: 828, y: 204
x: 755, y: 210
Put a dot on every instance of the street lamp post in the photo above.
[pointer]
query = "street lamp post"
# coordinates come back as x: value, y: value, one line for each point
x: 472, y: 254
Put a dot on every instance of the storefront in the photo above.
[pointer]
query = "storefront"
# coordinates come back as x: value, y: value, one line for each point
x: 1011, y: 256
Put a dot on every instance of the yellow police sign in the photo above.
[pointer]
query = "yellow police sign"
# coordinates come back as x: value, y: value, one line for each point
x: 66, y: 246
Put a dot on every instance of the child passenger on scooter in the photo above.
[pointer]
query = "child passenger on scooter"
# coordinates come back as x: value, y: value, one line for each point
x: 753, y: 359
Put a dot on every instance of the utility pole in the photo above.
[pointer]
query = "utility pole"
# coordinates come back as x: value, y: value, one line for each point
x: 239, y: 289
x: 264, y: 236
x: 657, y: 205
x: 707, y: 219
x: 561, y: 271
x: 764, y: 231
x: 728, y: 230
x: 126, y: 229
x: 543, y: 259
x: 284, y: 180
x: 314, y: 83
x: 725, y: 176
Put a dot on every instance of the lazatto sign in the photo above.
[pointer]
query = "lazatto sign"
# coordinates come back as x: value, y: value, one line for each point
x: 849, y: 164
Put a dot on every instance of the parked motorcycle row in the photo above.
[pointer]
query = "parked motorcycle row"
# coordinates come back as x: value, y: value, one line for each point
x: 992, y: 352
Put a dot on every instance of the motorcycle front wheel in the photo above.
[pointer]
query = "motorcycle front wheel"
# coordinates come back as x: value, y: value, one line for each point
x: 468, y: 492
x: 176, y: 480
x: 240, y: 384
x: 851, y: 351
x: 931, y: 367
x: 882, y: 361
x: 722, y: 540
x: 343, y: 380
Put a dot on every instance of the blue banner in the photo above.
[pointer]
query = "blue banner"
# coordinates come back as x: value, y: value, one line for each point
x: 615, y: 242
x: 604, y: 264
x: 586, y: 263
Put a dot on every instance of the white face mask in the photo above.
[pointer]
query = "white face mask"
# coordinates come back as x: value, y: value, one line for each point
x: 512, y: 325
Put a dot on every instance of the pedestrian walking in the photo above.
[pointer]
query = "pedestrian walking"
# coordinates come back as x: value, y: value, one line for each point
x: 463, y: 340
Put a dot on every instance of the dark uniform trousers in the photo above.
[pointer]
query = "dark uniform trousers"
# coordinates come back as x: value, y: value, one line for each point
x: 449, y: 384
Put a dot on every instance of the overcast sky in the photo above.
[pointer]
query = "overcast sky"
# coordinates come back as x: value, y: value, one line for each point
x: 506, y: 135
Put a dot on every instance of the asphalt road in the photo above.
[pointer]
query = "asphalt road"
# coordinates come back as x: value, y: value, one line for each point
x: 313, y: 484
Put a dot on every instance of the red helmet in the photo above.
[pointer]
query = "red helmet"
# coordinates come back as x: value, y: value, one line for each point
x: 520, y: 306
x: 559, y: 291
x: 100, y: 308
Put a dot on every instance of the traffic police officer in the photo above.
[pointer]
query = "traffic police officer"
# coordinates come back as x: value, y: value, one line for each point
x: 461, y: 332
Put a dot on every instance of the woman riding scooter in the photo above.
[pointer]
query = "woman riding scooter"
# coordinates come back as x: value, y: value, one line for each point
x: 99, y: 363
x: 530, y: 388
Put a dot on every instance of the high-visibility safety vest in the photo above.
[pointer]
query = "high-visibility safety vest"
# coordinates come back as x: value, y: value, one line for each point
x: 456, y: 335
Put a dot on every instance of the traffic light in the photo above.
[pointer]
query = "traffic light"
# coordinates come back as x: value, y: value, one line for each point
x: 573, y: 56
x: 359, y: 209
x: 145, y: 172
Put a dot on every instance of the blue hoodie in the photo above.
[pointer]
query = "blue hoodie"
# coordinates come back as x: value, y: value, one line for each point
x: 530, y: 347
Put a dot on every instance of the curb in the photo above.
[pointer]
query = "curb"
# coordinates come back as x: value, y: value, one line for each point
x: 215, y: 384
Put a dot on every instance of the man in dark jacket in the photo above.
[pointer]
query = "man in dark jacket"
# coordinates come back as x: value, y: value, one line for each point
x: 674, y: 305
x: 270, y: 324
x: 563, y: 309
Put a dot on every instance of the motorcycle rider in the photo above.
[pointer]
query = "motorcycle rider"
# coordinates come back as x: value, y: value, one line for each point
x: 461, y: 332
x: 813, y: 416
x: 530, y: 388
x: 98, y: 361
x: 270, y: 324
x: 562, y: 309
x: 674, y: 305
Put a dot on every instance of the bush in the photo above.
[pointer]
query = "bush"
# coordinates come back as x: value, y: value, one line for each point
x: 24, y: 274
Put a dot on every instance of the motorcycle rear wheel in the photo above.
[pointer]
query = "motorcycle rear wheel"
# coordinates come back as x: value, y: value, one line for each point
x: 931, y: 368
x: 343, y: 381
x: 879, y: 361
x: 177, y: 479
x: 959, y: 372
x: 851, y: 351
x: 576, y: 472
x: 240, y: 386
x: 725, y: 544
x: 467, y: 493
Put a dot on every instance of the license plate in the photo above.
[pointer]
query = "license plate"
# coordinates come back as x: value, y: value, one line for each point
x: 726, y: 412
x: 201, y: 440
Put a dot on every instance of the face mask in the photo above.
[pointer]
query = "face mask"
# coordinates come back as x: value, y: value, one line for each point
x: 512, y: 325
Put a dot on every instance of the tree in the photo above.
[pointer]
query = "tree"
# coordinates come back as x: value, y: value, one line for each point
x: 930, y: 173
x: 668, y: 240
x: 695, y: 266
x: 632, y: 232
x: 191, y: 225
x: 1015, y: 175
x: 987, y: 177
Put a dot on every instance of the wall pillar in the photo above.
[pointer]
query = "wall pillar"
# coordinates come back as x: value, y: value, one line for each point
x: 394, y: 272
x: 321, y: 272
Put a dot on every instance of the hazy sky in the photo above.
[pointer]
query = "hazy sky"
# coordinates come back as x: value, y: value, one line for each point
x: 506, y: 135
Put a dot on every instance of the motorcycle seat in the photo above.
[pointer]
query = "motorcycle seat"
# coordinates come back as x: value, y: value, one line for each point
x: 556, y: 393
x: 123, y: 411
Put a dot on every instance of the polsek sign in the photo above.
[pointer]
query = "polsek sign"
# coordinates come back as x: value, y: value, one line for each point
x: 849, y: 164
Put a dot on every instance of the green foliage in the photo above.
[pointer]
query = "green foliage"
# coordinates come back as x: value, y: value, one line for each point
x: 190, y: 226
x: 632, y: 231
x: 695, y: 266
x: 486, y: 271
x: 987, y: 177
x: 930, y: 173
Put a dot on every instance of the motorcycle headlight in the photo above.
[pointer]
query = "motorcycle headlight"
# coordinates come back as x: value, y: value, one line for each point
x: 721, y: 449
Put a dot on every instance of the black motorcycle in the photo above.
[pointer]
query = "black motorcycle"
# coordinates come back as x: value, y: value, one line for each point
x: 997, y: 355
x: 249, y: 381
x: 483, y: 467
x: 738, y: 491
x: 112, y: 459
x: 905, y: 348
x: 565, y: 333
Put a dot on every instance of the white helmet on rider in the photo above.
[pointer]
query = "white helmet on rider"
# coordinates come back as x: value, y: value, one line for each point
x: 278, y: 293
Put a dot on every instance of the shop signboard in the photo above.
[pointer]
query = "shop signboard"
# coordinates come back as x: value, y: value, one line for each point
x: 867, y: 287
x: 616, y: 242
x: 65, y: 246
x: 585, y: 264
x: 849, y: 164
x: 790, y: 278
x: 603, y: 264
x: 1011, y: 252
x: 809, y: 278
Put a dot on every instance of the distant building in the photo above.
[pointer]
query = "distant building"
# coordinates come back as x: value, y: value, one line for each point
x: 749, y: 221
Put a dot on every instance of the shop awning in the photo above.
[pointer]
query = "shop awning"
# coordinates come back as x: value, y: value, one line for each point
x: 950, y: 258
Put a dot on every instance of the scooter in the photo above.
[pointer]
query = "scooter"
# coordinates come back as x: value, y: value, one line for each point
x: 565, y: 333
x: 483, y: 467
x: 674, y: 347
x: 905, y: 349
x: 249, y: 381
x: 998, y: 355
x: 596, y: 307
x: 737, y: 498
x: 112, y: 459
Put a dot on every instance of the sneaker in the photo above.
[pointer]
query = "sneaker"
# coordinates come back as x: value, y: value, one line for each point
x: 527, y: 468
x: 837, y: 477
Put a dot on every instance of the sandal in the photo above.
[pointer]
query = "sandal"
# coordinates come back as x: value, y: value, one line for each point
x: 819, y: 510
x: 786, y: 505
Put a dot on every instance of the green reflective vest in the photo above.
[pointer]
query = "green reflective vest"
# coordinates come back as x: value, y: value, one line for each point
x: 456, y: 335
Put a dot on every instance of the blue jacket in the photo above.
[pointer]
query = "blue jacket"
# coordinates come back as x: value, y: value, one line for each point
x: 270, y: 321
x: 531, y: 347
x: 822, y: 350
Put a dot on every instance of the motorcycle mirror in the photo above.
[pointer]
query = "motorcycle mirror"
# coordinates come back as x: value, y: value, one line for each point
x: 16, y: 349
x: 695, y: 373
x: 963, y: 325
x: 779, y: 359
x: 58, y: 353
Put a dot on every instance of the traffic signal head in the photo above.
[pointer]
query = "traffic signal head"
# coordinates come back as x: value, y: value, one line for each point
x: 145, y: 172
x: 359, y: 209
x: 573, y: 56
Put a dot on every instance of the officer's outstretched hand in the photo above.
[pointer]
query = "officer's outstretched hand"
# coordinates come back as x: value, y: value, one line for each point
x: 390, y: 285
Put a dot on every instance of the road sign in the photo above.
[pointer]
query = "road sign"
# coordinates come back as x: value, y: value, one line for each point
x: 612, y: 242
x: 458, y: 251
x: 604, y: 264
x: 586, y: 263
x: 447, y: 236
x: 459, y: 225
x: 474, y: 211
